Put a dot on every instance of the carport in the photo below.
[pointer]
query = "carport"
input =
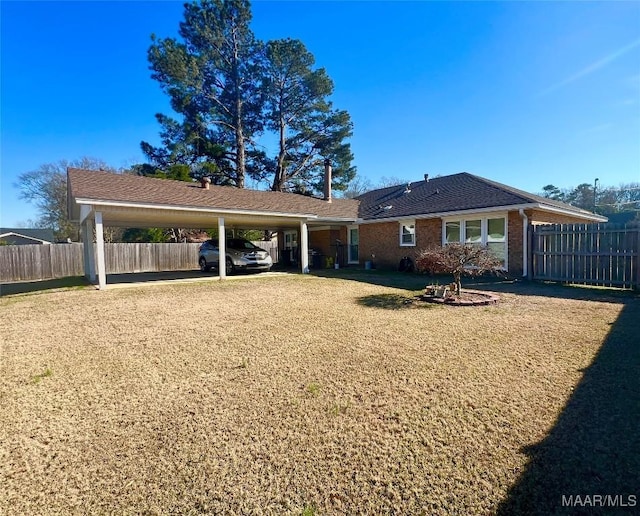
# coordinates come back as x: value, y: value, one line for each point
x: 97, y: 199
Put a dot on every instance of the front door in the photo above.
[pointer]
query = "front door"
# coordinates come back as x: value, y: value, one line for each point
x: 352, y: 232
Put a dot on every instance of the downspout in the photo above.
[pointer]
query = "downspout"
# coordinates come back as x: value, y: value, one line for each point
x: 525, y: 243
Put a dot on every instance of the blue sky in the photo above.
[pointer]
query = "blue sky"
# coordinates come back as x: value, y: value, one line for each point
x: 525, y: 93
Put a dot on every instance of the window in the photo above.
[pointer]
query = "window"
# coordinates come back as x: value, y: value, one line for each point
x: 290, y: 239
x: 473, y: 231
x: 408, y: 233
x: 452, y: 232
x: 496, y: 238
x: 490, y: 231
x: 353, y: 237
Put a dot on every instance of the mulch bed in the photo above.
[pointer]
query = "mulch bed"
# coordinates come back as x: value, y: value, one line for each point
x: 466, y: 298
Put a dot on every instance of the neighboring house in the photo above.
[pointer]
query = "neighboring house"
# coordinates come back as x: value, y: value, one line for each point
x: 22, y: 236
x: 382, y: 225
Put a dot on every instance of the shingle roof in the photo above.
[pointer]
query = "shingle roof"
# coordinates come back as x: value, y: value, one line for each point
x: 126, y: 188
x: 457, y: 192
x: 37, y: 233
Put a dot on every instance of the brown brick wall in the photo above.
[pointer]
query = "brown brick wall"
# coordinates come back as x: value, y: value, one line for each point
x: 383, y: 239
x: 325, y: 240
x: 514, y: 237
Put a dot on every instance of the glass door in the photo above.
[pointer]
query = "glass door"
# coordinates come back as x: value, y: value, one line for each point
x: 352, y: 233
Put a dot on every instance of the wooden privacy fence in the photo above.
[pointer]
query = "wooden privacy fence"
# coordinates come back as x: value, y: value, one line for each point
x: 595, y: 254
x: 39, y: 262
x: 123, y: 258
x: 271, y: 246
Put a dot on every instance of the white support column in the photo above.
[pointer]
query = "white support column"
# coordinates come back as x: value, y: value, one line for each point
x: 304, y: 248
x: 87, y: 251
x: 222, y: 249
x: 100, y: 261
x: 525, y: 243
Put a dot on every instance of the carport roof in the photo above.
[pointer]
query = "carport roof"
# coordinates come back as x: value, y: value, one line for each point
x: 98, y: 187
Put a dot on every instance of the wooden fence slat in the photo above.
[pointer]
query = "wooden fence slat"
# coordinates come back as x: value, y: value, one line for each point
x: 596, y: 254
x: 40, y: 262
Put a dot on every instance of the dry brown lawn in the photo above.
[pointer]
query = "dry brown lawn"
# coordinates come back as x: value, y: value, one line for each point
x: 284, y: 395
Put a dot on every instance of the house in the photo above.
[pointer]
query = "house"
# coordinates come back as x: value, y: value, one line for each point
x: 398, y: 221
x: 22, y: 236
x: 383, y: 225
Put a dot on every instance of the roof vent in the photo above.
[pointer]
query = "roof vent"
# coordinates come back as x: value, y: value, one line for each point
x: 407, y: 189
x: 205, y: 182
x: 426, y: 177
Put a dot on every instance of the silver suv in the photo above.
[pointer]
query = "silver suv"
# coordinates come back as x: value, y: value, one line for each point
x: 240, y: 254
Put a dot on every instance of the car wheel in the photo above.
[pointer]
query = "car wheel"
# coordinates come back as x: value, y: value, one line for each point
x: 203, y: 265
x: 230, y: 267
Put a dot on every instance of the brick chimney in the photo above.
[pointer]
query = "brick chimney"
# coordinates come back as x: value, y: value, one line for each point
x: 205, y: 182
x: 327, y: 180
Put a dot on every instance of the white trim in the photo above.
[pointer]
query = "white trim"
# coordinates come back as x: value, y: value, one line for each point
x: 408, y: 223
x: 226, y: 211
x: 100, y: 261
x: 294, y: 238
x: 222, y: 249
x: 484, y: 230
x: 525, y: 244
x: 85, y: 211
x: 463, y: 213
x: 304, y: 248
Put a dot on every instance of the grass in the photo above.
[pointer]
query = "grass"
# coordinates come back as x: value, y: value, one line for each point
x: 35, y: 379
x: 314, y: 395
x: 28, y: 287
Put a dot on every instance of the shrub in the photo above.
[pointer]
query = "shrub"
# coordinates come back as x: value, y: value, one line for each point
x: 458, y: 259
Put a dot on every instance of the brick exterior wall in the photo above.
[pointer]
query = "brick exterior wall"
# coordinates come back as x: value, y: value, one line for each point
x: 514, y: 249
x: 323, y: 241
x: 383, y: 239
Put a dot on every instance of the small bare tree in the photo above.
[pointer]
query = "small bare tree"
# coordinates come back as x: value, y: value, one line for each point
x: 458, y: 259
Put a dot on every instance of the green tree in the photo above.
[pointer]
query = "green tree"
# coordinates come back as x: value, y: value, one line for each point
x: 213, y: 79
x: 144, y: 235
x: 308, y: 129
x: 582, y: 197
x: 552, y: 192
x: 46, y: 187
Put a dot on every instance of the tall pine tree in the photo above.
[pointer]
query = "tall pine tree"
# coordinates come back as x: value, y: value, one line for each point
x: 308, y: 129
x: 212, y: 76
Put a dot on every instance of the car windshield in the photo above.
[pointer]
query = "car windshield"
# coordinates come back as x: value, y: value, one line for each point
x: 241, y: 243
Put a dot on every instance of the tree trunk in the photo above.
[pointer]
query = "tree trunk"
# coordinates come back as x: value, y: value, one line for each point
x: 457, y: 280
x: 237, y: 122
x: 280, y: 175
x: 240, y: 154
